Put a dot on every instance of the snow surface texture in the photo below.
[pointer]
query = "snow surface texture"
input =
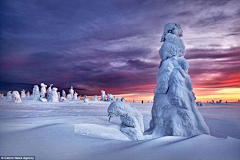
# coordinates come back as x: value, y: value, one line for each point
x: 72, y: 130
x: 132, y: 119
x: 174, y: 112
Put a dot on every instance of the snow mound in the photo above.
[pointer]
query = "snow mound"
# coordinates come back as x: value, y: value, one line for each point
x: 101, y: 131
x: 132, y: 120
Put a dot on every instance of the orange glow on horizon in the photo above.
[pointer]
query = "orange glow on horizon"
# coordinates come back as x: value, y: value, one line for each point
x: 202, y: 94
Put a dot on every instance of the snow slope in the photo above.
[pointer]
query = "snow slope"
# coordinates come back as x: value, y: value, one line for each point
x: 77, y: 131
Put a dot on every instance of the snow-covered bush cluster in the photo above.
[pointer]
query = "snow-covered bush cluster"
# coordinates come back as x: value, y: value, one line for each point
x: 108, y: 97
x: 48, y: 94
x: 200, y: 104
x: 217, y: 102
x: 95, y: 98
x: 174, y: 112
x: 132, y: 119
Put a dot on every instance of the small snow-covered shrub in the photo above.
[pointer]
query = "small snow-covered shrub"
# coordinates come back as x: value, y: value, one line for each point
x: 120, y: 99
x: 43, y: 90
x: 53, y: 97
x: 43, y: 99
x: 28, y: 94
x: 132, y: 119
x: 23, y: 94
x: 35, y: 93
x: 71, y: 93
x: 1, y: 95
x: 49, y: 90
x: 16, y: 97
x: 200, y: 104
x: 75, y: 96
x: 62, y: 99
x: 103, y: 95
x: 86, y: 100
x: 110, y: 97
x: 95, y: 98
x: 64, y: 94
x: 9, y: 95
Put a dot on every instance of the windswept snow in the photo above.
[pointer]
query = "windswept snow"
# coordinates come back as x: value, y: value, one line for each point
x: 78, y: 131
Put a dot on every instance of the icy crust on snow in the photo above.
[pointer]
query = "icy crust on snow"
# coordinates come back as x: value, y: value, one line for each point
x: 132, y: 120
x: 174, y: 112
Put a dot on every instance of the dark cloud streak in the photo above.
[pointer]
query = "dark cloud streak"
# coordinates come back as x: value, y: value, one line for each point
x: 110, y: 45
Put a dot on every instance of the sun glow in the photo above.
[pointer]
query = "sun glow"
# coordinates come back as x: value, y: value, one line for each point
x: 227, y: 94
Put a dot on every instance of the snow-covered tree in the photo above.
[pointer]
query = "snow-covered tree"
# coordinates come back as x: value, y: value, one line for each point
x: 23, y: 94
x: 120, y: 99
x: 86, y: 100
x: 110, y: 97
x: 49, y: 90
x: 53, y: 96
x: 9, y: 95
x: 132, y: 120
x: 134, y: 101
x: 16, y: 97
x: 43, y: 90
x: 174, y: 111
x: 35, y: 93
x: 28, y: 94
x: 75, y: 96
x: 103, y: 95
x: 63, y: 93
x: 95, y: 98
x: 59, y: 96
x: 1, y: 95
x: 200, y: 104
x: 71, y: 93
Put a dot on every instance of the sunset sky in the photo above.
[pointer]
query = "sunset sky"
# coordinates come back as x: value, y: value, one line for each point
x: 113, y: 45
